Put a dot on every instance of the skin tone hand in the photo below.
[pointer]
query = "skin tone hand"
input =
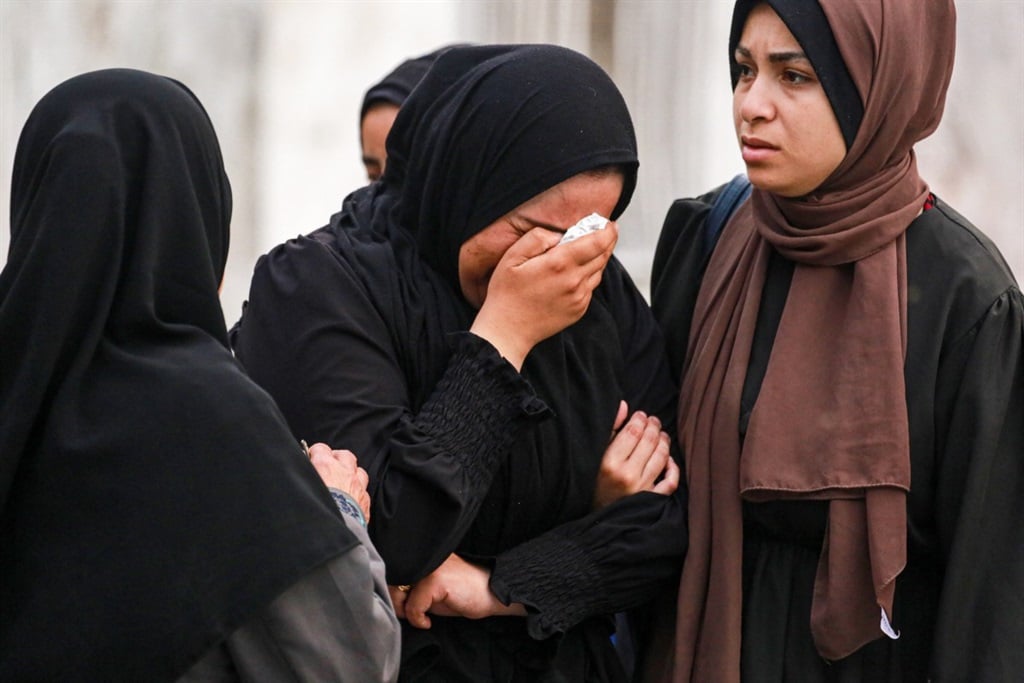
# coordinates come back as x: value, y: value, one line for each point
x: 638, y: 454
x: 339, y: 470
x: 455, y: 589
x: 537, y: 290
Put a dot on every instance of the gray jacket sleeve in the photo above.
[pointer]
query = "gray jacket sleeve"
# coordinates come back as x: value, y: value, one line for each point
x: 335, y: 624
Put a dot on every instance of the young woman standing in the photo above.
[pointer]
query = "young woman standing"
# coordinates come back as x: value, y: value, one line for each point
x: 852, y: 406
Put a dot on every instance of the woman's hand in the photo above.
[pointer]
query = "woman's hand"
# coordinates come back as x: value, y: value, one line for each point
x: 639, y: 453
x: 540, y: 287
x: 339, y: 470
x: 455, y: 589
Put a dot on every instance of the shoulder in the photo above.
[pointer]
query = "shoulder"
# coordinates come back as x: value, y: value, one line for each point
x: 954, y: 269
x: 309, y: 263
x: 677, y: 269
x: 945, y: 244
x: 681, y: 240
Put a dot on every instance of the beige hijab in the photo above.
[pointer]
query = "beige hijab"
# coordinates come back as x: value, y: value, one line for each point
x: 830, y: 421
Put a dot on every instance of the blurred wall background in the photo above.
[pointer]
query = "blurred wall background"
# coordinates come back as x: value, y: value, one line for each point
x: 283, y: 80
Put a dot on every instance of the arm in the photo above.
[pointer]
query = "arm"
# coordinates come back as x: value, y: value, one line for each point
x: 980, y: 499
x: 626, y: 553
x: 314, y: 337
x: 335, y: 624
x: 616, y: 557
x: 676, y: 273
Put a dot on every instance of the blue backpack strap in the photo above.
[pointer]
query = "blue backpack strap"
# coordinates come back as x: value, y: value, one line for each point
x: 732, y: 195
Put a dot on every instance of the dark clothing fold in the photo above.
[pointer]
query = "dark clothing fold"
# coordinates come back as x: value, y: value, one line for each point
x: 958, y: 603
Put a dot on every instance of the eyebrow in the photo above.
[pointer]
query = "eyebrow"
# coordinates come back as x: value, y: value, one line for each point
x: 775, y: 57
x: 542, y: 224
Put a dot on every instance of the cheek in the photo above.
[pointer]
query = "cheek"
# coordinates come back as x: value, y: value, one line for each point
x: 826, y: 145
x: 476, y: 263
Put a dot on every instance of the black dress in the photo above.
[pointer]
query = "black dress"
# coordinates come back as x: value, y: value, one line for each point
x: 493, y: 465
x: 359, y: 331
x: 959, y: 602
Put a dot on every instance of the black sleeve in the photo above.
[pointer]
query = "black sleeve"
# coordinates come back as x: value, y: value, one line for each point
x: 980, y: 499
x: 313, y: 339
x: 676, y: 273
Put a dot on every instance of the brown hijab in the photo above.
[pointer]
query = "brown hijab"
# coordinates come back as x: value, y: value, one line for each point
x: 831, y: 417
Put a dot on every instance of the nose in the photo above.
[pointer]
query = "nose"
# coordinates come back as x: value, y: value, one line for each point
x: 753, y: 100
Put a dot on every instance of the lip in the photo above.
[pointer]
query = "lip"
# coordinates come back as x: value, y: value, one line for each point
x: 755, y: 149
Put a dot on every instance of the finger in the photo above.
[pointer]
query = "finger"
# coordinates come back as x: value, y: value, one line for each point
x: 319, y: 450
x: 623, y: 442
x: 657, y: 462
x: 364, y: 504
x: 363, y: 477
x: 398, y: 597
x: 593, y: 280
x: 597, y: 241
x: 620, y: 417
x: 417, y: 602
x: 345, y: 458
x: 668, y: 485
x: 650, y: 439
x: 534, y: 243
x: 629, y: 436
x: 595, y: 246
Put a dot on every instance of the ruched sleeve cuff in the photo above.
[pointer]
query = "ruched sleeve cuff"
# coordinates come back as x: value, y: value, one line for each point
x: 546, y: 575
x: 480, y: 399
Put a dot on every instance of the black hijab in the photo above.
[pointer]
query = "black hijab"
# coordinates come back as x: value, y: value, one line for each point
x: 152, y: 496
x: 397, y: 85
x: 483, y: 134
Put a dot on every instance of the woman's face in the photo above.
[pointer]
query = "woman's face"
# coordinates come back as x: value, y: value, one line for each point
x: 374, y: 129
x: 788, y: 133
x: 558, y: 208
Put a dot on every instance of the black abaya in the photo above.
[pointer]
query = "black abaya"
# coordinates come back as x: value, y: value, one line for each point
x: 152, y: 497
x: 359, y: 332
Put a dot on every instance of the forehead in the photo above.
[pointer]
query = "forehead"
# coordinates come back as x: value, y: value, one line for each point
x: 563, y: 203
x: 765, y: 29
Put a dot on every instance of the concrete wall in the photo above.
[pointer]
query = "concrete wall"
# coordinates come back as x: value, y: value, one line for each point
x: 283, y: 79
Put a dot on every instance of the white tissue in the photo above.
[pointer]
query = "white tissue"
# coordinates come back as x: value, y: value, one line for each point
x: 585, y: 226
x: 887, y: 628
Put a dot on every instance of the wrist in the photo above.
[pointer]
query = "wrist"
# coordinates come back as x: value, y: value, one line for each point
x: 515, y: 609
x: 347, y: 505
x: 508, y: 345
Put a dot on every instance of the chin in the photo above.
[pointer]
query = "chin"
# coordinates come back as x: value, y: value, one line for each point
x: 766, y: 181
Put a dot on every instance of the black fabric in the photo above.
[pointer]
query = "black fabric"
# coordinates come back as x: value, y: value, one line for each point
x: 360, y: 334
x: 399, y: 82
x: 958, y: 602
x: 808, y: 24
x: 152, y: 496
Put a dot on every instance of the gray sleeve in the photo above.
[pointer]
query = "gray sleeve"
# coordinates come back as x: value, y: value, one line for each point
x: 335, y: 624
